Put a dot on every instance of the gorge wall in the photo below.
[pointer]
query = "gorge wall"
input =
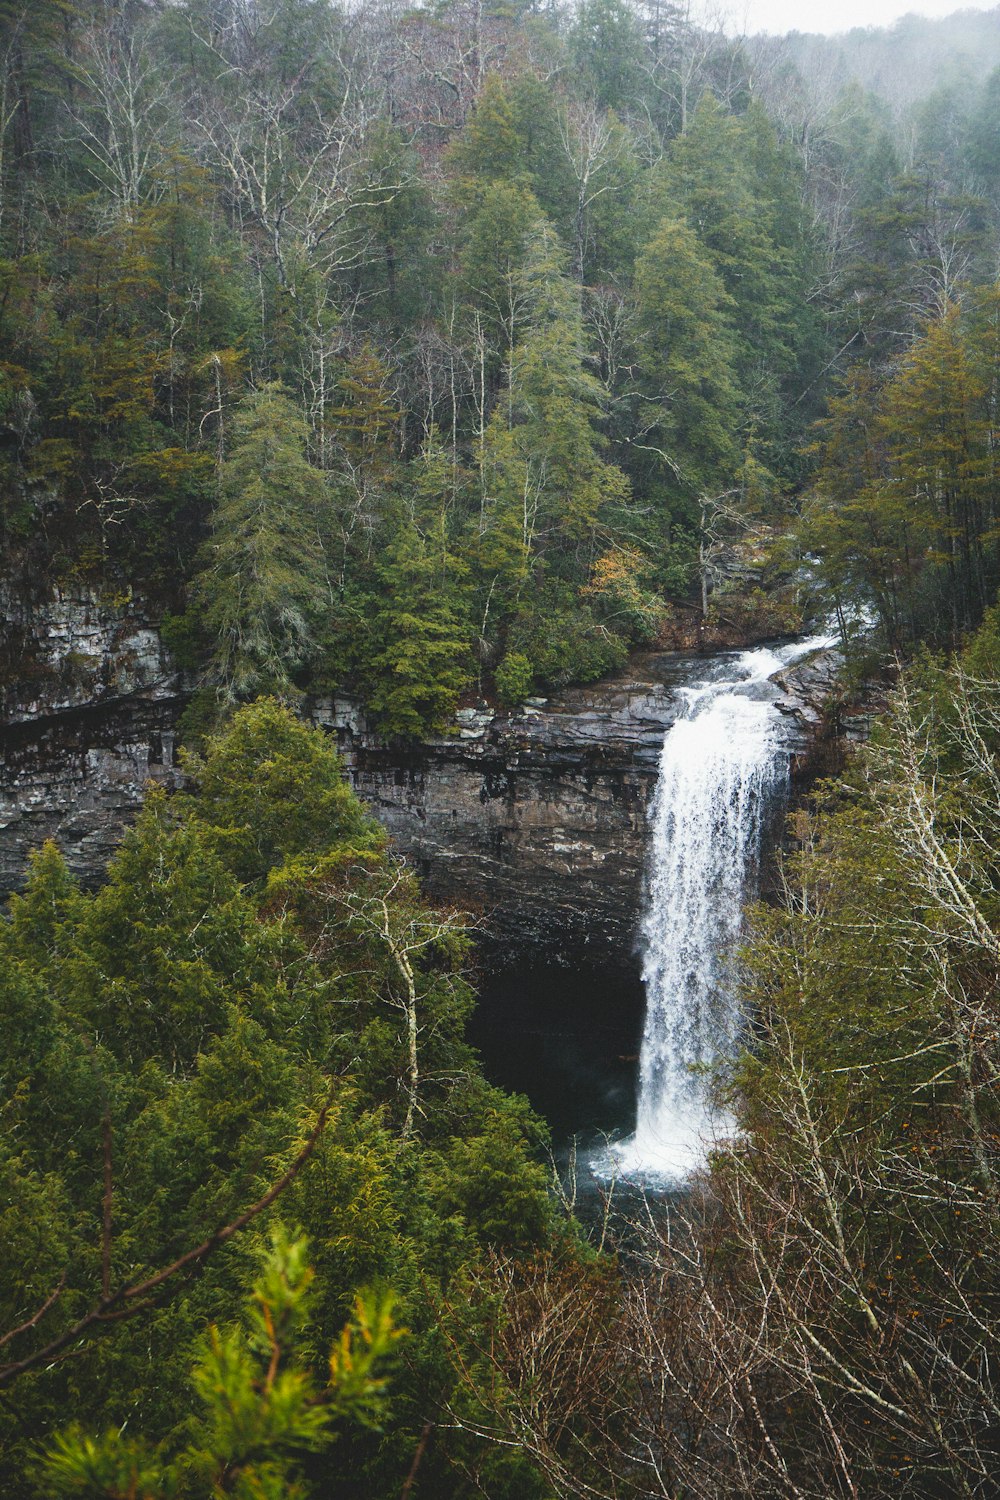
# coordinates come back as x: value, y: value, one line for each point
x: 88, y: 715
x: 536, y: 822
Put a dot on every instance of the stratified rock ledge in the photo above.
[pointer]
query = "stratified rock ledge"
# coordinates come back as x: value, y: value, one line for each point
x: 538, y: 821
x: 534, y: 821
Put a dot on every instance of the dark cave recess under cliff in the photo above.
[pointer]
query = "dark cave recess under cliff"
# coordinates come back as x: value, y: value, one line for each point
x: 568, y: 1039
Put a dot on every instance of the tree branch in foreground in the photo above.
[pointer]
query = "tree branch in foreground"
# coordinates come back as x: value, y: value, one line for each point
x: 135, y: 1297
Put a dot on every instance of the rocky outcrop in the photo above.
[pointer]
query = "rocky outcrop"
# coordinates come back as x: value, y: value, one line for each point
x: 822, y: 715
x: 89, y: 721
x: 535, y: 821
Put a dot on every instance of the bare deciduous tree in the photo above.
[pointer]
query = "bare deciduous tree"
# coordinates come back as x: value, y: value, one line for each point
x: 119, y: 115
x: 593, y: 144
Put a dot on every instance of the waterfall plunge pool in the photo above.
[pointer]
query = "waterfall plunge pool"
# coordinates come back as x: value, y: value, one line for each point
x: 569, y: 1039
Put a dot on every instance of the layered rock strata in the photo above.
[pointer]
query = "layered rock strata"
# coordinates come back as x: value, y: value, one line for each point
x: 88, y: 722
x: 535, y: 821
x: 538, y: 821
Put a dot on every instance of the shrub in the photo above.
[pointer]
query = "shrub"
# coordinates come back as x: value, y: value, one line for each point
x: 514, y: 679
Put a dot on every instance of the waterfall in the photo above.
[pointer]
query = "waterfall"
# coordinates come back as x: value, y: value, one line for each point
x: 721, y: 768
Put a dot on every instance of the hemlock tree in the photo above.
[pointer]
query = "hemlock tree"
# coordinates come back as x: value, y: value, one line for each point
x: 422, y: 661
x: 930, y: 411
x: 491, y: 283
x: 546, y: 447
x: 550, y: 498
x: 690, y: 399
x: 265, y: 576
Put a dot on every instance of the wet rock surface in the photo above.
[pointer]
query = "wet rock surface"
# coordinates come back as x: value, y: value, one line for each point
x: 818, y: 708
x: 538, y: 821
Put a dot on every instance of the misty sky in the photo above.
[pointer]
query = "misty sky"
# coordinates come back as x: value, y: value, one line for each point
x: 835, y: 15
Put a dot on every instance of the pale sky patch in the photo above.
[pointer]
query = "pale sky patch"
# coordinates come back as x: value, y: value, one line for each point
x: 830, y: 16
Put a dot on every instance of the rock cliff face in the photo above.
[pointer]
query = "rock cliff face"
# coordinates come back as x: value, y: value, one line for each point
x: 536, y: 821
x: 539, y: 821
x: 89, y: 711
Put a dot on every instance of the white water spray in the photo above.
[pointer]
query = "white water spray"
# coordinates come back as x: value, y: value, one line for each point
x: 721, y: 767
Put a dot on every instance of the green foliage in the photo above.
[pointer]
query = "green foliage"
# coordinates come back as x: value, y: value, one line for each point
x: 544, y: 453
x: 400, y: 274
x: 421, y: 662
x: 735, y: 184
x: 567, y: 644
x: 424, y: 664
x: 607, y: 48
x: 512, y: 141
x: 254, y: 955
x: 687, y: 354
x: 514, y: 679
x: 294, y: 345
x: 268, y: 788
x: 489, y: 1180
x: 263, y: 287
x: 261, y: 1409
x: 168, y: 939
x: 496, y: 248
x: 264, y: 578
x: 904, y: 513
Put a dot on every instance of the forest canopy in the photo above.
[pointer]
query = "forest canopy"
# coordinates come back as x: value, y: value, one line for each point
x: 445, y: 353
x: 380, y: 346
x: 376, y: 346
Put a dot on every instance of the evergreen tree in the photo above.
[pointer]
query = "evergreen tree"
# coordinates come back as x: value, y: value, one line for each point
x: 264, y: 583
x: 689, y: 412
x: 287, y: 961
x: 260, y: 1410
x: 736, y: 186
x: 930, y: 410
x: 606, y: 45
x: 270, y: 789
x: 492, y: 284
x: 421, y: 661
x: 546, y: 447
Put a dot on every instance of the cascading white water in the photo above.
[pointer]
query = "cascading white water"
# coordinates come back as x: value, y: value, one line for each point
x: 721, y: 766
